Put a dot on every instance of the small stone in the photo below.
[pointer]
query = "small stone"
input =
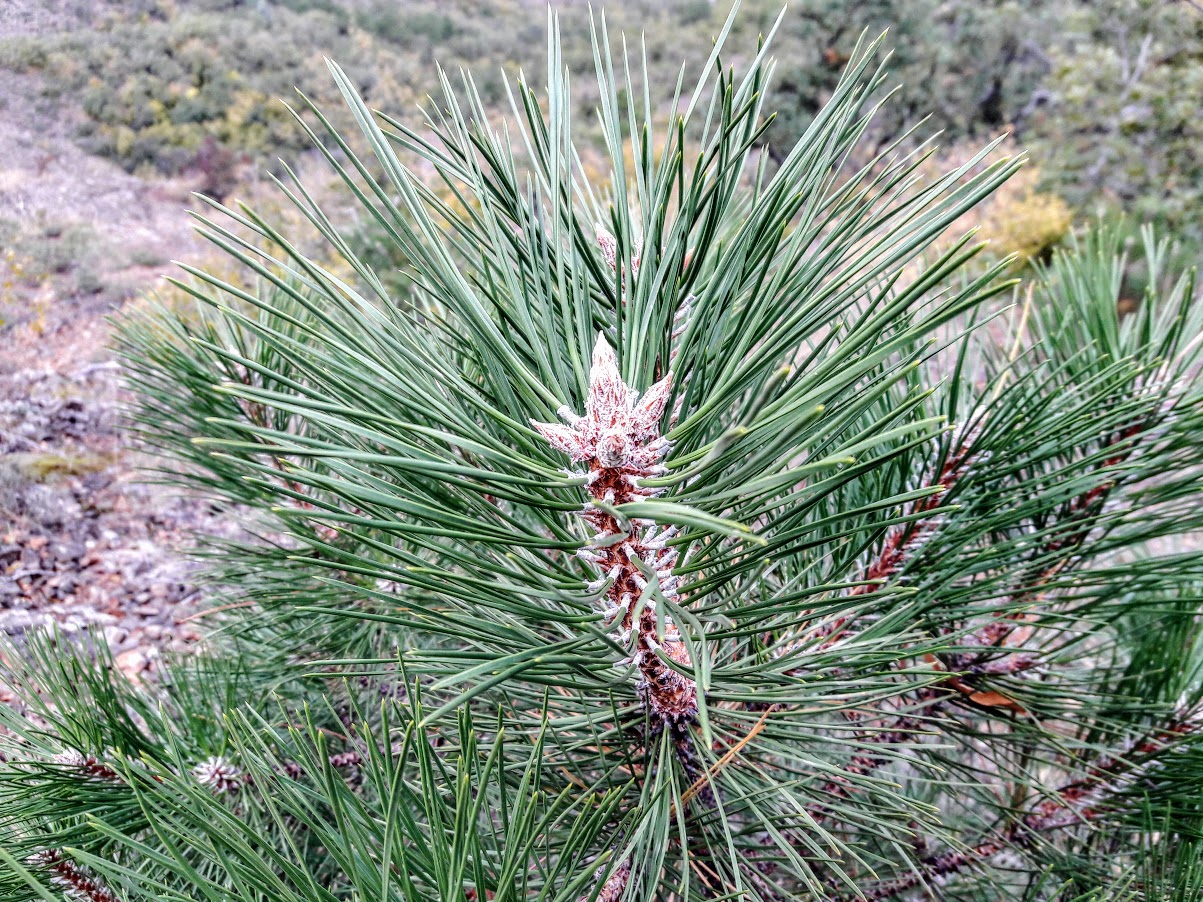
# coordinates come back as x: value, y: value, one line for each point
x: 68, y: 551
x: 132, y: 662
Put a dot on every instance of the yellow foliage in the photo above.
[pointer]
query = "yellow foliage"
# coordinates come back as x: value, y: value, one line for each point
x: 12, y: 274
x: 243, y: 105
x: 1018, y: 218
x: 20, y: 278
x: 38, y: 467
x: 123, y: 140
x: 1022, y: 220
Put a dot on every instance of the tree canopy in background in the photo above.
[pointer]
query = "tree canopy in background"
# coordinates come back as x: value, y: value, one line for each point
x: 1119, y: 124
x: 1101, y: 93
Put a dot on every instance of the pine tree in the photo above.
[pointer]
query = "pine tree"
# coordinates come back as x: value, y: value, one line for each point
x: 713, y: 533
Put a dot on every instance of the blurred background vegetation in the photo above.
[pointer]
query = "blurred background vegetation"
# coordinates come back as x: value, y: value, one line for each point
x: 1103, y: 95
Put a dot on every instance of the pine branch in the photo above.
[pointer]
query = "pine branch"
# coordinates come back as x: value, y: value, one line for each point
x: 1073, y: 804
x: 997, y: 632
x: 901, y: 543
x: 1001, y: 631
x: 74, y: 880
x: 620, y: 440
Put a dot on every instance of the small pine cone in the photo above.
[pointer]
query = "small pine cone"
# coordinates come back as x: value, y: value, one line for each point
x: 614, y: 887
x: 44, y: 859
x: 71, y: 758
x: 87, y: 766
x: 346, y: 759
x: 220, y: 775
x: 76, y: 882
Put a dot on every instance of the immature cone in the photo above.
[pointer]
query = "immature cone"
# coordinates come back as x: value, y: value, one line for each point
x: 613, y: 888
x: 220, y: 775
x: 87, y: 766
x: 609, y: 248
x: 76, y: 882
x: 619, y: 437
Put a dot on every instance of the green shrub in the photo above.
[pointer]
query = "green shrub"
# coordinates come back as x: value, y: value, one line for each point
x: 1121, y: 128
x: 156, y: 89
x: 334, y: 8
x: 406, y: 26
x: 52, y: 248
x: 969, y: 69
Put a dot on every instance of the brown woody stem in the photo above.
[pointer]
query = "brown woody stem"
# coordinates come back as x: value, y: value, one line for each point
x: 73, y: 879
x: 1073, y: 804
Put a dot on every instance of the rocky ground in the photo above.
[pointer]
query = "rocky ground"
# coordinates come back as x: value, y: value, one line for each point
x: 87, y: 542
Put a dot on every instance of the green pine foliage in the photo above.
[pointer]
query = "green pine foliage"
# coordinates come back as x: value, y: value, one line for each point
x: 698, y: 533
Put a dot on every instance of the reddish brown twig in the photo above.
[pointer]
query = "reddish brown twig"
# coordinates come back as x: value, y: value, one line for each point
x: 1073, y: 804
x: 618, y: 437
x: 1012, y: 629
x: 75, y: 881
x: 88, y: 766
x: 900, y: 543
